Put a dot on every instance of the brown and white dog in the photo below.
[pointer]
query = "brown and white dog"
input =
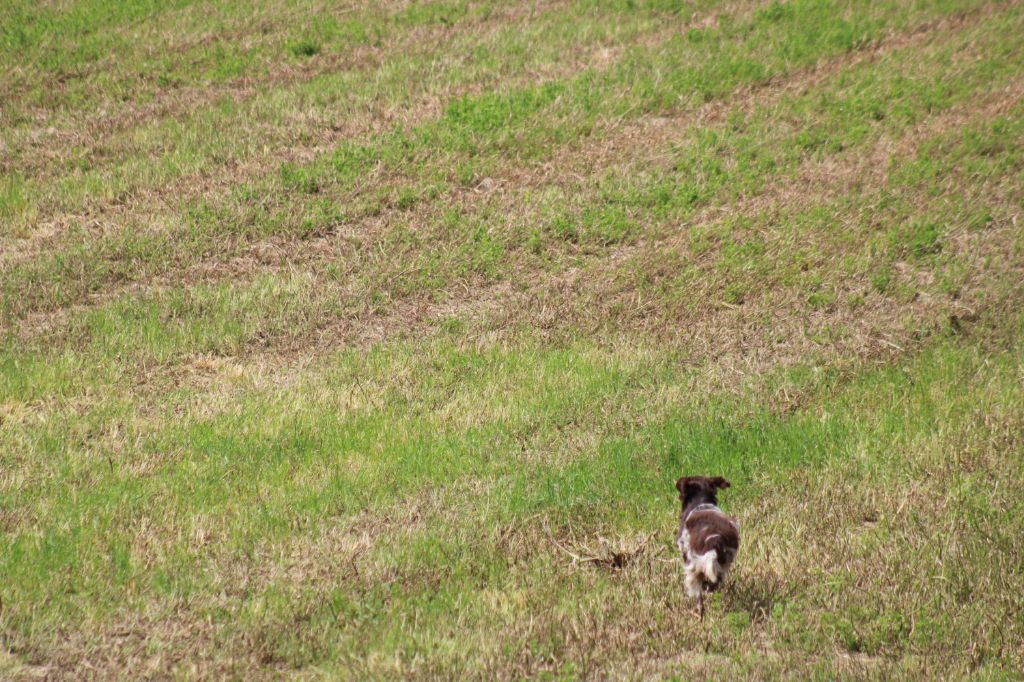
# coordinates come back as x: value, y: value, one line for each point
x: 708, y: 539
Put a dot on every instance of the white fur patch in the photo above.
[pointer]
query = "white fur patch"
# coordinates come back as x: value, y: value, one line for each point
x: 683, y: 542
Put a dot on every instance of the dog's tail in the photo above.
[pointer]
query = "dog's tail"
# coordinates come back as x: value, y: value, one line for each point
x: 707, y: 565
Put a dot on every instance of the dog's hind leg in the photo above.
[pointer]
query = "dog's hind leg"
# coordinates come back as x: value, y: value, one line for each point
x: 693, y: 582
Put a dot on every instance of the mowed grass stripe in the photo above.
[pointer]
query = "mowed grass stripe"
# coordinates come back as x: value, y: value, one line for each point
x: 411, y: 57
x: 95, y: 99
x: 131, y: 341
x: 728, y: 160
x: 218, y: 44
x: 686, y: 180
x: 229, y: 143
x: 239, y: 152
x: 167, y: 331
x: 44, y: 393
x: 352, y: 160
x: 843, y: 235
x: 222, y: 45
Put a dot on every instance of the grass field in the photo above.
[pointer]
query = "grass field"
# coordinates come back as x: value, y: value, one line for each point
x: 367, y: 340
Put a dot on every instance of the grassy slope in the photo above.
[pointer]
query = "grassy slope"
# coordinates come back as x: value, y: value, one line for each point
x: 340, y: 351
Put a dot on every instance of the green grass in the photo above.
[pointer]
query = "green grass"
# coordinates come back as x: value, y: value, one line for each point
x: 369, y: 342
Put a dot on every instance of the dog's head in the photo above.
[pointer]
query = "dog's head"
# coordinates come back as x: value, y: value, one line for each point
x: 700, y: 489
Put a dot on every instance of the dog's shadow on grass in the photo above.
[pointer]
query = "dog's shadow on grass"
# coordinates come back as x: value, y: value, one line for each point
x: 759, y: 595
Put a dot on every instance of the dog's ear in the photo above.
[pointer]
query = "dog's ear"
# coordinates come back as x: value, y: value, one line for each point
x: 719, y: 482
x: 688, y: 486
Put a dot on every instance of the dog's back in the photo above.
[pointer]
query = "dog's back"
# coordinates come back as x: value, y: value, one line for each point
x: 713, y: 541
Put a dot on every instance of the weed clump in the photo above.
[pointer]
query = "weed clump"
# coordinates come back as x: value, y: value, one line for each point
x: 304, y: 48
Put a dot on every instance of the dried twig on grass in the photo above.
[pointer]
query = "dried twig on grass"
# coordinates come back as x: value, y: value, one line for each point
x: 610, y: 555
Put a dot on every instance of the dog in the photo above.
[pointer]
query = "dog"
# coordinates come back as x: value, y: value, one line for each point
x: 708, y: 539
